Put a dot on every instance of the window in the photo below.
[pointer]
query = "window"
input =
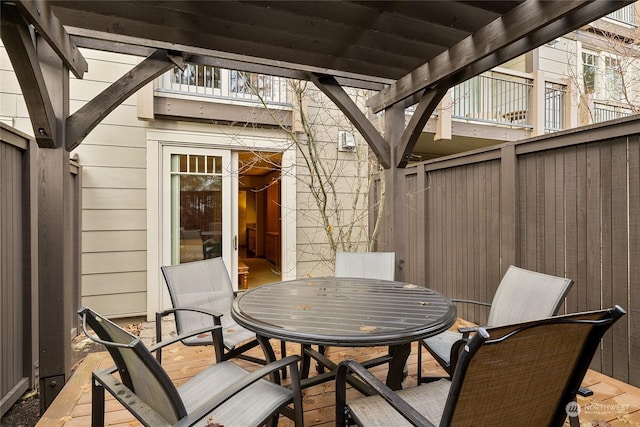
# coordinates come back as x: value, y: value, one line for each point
x: 612, y: 78
x: 589, y: 71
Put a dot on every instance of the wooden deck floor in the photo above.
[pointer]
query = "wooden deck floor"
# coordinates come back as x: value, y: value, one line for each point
x: 613, y: 404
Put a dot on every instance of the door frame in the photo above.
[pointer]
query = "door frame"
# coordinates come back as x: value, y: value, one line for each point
x: 219, y: 138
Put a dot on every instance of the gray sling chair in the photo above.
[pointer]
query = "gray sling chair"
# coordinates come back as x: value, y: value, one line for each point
x: 219, y: 395
x: 522, y: 295
x: 202, y: 294
x: 365, y: 265
x: 514, y: 375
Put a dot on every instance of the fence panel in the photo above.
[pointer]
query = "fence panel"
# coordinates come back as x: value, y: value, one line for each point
x: 577, y: 214
x: 462, y: 258
x: 14, y: 316
x: 19, y: 314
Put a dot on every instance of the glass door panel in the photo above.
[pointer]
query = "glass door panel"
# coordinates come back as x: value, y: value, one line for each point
x: 196, y: 207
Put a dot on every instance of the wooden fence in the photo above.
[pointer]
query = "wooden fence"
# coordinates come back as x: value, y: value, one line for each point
x: 567, y: 204
x: 19, y: 320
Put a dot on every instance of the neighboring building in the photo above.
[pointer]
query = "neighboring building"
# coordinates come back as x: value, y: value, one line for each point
x: 193, y: 166
x: 588, y: 76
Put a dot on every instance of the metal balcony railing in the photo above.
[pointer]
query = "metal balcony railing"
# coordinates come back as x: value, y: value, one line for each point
x: 605, y: 112
x: 626, y: 15
x: 494, y: 97
x: 214, y: 82
x: 554, y: 106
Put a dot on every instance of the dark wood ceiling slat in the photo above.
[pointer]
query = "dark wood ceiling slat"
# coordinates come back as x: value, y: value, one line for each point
x: 376, y: 40
x: 318, y: 56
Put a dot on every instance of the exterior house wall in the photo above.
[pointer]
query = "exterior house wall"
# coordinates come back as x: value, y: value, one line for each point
x: 116, y: 186
x: 113, y: 156
x: 347, y: 173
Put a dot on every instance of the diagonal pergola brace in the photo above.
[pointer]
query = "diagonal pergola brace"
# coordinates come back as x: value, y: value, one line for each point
x: 39, y: 14
x: 330, y: 87
x: 19, y: 43
x: 91, y: 114
x: 428, y: 103
x: 496, y: 43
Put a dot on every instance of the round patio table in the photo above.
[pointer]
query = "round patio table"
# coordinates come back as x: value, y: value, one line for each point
x: 344, y: 312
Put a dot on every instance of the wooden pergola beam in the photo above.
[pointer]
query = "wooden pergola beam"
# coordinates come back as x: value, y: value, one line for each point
x: 92, y: 113
x: 19, y: 43
x: 128, y: 45
x: 39, y: 14
x: 531, y: 20
x: 330, y: 87
x: 427, y: 105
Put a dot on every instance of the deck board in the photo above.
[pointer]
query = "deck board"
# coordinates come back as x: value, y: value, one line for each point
x: 613, y: 401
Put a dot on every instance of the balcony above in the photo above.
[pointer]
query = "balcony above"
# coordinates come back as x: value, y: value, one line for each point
x: 215, y: 95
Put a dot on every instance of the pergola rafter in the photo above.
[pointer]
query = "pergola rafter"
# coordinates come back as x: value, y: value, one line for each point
x: 412, y: 52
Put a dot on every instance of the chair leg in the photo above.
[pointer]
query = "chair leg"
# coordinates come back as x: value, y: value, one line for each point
x: 283, y: 354
x: 97, y: 404
x: 322, y: 350
x: 419, y: 363
x: 274, y: 420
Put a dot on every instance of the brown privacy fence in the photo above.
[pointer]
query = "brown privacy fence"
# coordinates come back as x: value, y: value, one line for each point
x: 566, y: 204
x: 20, y: 325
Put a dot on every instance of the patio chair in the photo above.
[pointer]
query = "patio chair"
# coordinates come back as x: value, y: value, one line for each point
x: 219, y: 395
x: 522, y: 295
x: 367, y: 265
x: 201, y: 294
x: 522, y: 374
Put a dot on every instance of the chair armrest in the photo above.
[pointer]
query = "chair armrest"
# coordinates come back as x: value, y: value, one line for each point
x: 209, y: 329
x: 160, y: 314
x: 216, y: 334
x: 468, y: 301
x: 163, y: 313
x: 206, y: 407
x: 467, y: 330
x: 381, y: 389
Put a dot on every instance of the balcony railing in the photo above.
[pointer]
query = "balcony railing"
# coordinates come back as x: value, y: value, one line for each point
x: 494, y: 97
x: 214, y: 82
x: 605, y: 112
x: 554, y: 106
x: 626, y: 15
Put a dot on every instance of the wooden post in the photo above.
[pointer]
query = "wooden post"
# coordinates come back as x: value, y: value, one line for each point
x: 395, y: 215
x: 509, y: 245
x: 54, y: 237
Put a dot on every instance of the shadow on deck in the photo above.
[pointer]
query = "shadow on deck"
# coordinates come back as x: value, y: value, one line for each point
x: 613, y: 403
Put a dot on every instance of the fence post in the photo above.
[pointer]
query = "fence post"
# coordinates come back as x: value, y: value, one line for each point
x: 537, y: 103
x: 509, y: 244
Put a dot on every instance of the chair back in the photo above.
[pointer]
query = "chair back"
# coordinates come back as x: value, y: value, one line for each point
x: 525, y: 374
x: 525, y: 295
x: 367, y: 265
x: 200, y: 284
x: 138, y: 369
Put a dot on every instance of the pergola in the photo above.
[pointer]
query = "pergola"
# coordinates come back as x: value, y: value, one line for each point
x: 410, y: 52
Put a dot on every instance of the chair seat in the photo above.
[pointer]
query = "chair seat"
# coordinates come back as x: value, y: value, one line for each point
x: 428, y: 399
x: 264, y: 397
x: 440, y: 345
x: 232, y: 335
